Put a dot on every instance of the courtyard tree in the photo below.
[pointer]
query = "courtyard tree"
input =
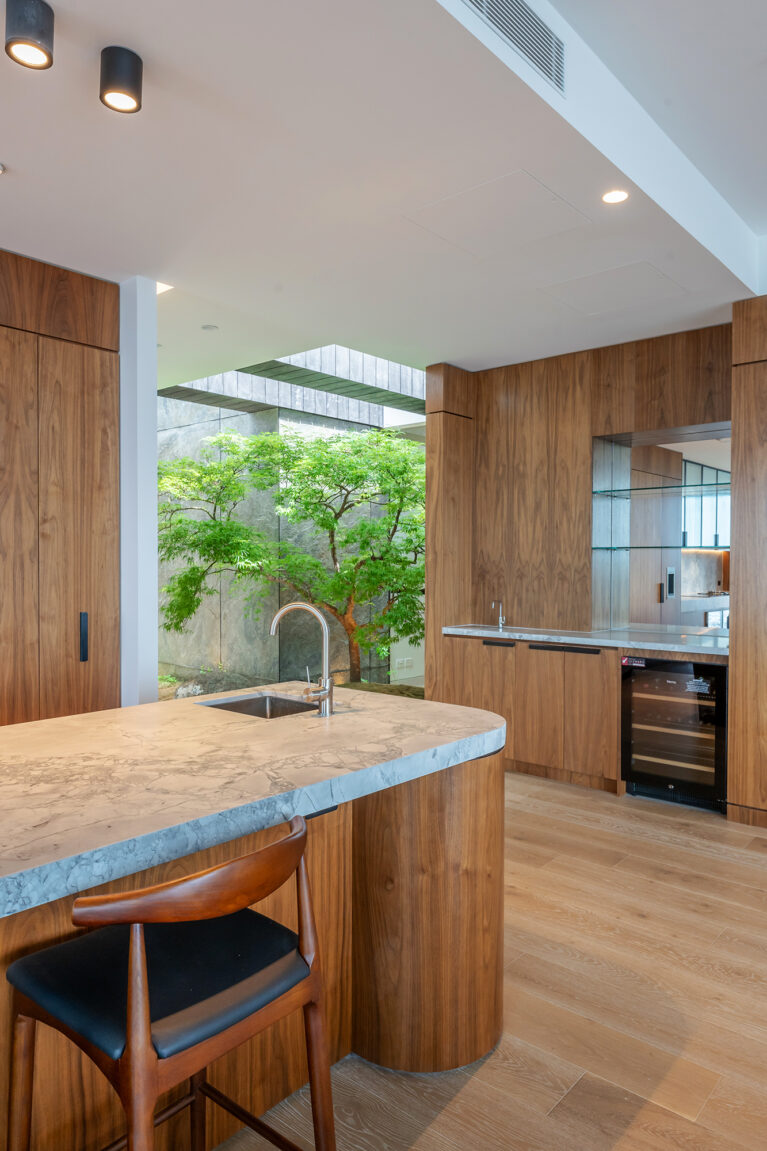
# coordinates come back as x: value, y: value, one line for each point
x: 361, y: 494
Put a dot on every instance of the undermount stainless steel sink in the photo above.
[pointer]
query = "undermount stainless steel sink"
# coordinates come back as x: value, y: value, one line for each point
x: 264, y: 705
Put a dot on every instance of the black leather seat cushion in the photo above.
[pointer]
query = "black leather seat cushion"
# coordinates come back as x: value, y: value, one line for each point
x: 203, y: 977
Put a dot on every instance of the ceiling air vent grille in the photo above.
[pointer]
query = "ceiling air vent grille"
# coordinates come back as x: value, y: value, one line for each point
x: 525, y: 31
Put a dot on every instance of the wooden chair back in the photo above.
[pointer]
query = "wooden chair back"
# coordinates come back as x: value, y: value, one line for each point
x: 220, y: 890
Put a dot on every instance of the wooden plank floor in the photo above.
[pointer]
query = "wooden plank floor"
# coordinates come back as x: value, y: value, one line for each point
x: 636, y: 995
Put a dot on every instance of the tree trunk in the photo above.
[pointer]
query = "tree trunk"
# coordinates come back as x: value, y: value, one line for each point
x: 355, y: 669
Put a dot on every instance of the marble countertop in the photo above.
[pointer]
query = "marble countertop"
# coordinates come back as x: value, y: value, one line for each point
x: 655, y: 637
x: 90, y: 798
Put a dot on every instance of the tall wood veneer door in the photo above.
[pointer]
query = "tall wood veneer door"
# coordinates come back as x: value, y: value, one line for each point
x: 19, y: 668
x: 592, y: 713
x: 79, y: 528
x: 539, y: 689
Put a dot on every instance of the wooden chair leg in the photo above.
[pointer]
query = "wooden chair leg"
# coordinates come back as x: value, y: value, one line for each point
x: 318, y: 1057
x: 22, y: 1073
x: 197, y: 1113
x: 140, y: 1116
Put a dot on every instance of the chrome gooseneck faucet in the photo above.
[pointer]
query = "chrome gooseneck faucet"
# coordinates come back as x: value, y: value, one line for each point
x: 323, y: 692
x: 501, y: 616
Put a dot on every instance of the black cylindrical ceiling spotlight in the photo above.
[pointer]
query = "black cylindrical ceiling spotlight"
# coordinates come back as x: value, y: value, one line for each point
x: 29, y: 32
x: 121, y: 76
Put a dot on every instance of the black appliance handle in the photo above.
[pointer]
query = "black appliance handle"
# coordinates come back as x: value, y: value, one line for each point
x: 565, y: 647
x: 83, y: 637
x: 499, y: 643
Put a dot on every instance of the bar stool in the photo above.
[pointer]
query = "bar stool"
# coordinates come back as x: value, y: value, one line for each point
x: 176, y: 976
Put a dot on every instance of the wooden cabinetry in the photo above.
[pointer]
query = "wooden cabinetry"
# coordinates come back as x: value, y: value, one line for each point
x: 78, y: 390
x: 539, y: 705
x: 59, y: 527
x: 592, y: 700
x: 19, y: 665
x: 561, y: 704
x: 567, y: 712
x: 482, y: 673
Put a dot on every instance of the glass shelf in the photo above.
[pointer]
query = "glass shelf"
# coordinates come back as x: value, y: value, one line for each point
x: 662, y: 547
x: 684, y: 489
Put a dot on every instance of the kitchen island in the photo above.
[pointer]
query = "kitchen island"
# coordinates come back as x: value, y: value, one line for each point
x: 405, y: 854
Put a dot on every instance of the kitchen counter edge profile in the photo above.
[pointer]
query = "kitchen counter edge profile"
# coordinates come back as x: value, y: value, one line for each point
x: 139, y: 786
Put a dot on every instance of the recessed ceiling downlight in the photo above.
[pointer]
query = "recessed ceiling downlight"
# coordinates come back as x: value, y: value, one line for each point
x: 209, y: 327
x: 29, y: 33
x: 616, y: 196
x: 121, y: 79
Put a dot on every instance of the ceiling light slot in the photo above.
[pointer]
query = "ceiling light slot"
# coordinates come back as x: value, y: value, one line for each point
x: 524, y: 30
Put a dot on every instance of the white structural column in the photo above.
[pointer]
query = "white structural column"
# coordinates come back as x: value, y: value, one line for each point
x: 138, y: 490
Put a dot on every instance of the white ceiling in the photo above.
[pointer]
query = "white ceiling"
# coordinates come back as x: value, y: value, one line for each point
x: 700, y: 69
x: 713, y: 453
x: 350, y: 172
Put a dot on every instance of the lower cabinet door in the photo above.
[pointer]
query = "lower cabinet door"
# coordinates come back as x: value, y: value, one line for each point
x: 538, y: 705
x: 496, y: 686
x: 592, y: 713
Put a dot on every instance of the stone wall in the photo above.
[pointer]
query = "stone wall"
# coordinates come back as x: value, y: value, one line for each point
x: 226, y: 632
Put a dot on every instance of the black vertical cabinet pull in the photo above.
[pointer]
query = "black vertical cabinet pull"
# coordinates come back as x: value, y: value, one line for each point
x: 83, y: 637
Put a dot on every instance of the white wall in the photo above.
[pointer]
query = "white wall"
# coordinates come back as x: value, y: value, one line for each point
x: 138, y: 490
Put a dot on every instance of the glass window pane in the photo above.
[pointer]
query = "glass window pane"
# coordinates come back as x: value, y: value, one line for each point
x: 723, y: 520
x: 708, y: 521
x: 692, y: 472
x: 709, y: 475
x: 692, y: 520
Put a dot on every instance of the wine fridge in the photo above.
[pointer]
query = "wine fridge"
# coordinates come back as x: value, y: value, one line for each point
x: 674, y: 730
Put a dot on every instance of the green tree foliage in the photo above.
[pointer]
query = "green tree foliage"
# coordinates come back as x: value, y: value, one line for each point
x: 361, y: 493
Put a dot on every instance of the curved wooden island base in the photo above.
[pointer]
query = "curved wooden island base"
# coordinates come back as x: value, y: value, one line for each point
x: 428, y: 920
x: 406, y: 874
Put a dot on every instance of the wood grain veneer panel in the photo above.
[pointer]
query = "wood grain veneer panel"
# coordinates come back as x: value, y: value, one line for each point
x: 613, y: 381
x: 750, y: 816
x: 539, y: 706
x: 79, y: 527
x: 449, y: 487
x: 482, y: 675
x: 592, y: 714
x: 559, y: 775
x: 493, y: 519
x: 50, y: 301
x: 569, y: 490
x: 428, y: 912
x: 450, y: 389
x: 749, y: 330
x: 19, y: 672
x: 649, y: 458
x: 532, y: 503
x: 747, y: 740
x: 683, y: 380
x: 76, y: 1110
